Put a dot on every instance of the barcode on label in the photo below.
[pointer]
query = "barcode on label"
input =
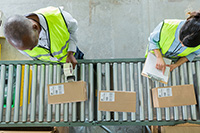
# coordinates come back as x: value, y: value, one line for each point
x: 56, y: 90
x: 107, y: 96
x: 164, y: 92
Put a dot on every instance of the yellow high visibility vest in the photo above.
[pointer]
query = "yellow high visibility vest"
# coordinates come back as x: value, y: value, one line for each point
x: 58, y: 37
x: 167, y: 36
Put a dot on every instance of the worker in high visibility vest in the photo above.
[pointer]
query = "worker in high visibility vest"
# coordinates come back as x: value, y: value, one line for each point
x: 176, y: 39
x: 48, y: 34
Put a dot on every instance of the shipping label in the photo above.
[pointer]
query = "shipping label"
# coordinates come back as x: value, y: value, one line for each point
x: 164, y: 92
x: 107, y: 96
x: 56, y: 90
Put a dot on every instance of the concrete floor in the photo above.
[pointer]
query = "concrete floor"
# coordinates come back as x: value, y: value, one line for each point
x: 107, y: 28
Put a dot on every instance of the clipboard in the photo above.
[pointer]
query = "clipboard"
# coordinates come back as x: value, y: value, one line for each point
x: 150, y: 71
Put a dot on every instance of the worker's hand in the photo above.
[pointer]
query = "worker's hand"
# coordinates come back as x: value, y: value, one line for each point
x: 160, y: 64
x: 172, y: 66
x: 71, y: 59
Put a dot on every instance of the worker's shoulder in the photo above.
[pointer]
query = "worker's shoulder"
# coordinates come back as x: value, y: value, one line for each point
x: 173, y: 20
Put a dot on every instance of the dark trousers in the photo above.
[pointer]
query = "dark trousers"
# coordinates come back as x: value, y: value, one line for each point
x: 79, y: 54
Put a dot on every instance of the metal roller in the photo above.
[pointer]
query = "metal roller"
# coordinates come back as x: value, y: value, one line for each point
x: 33, y: 93
x: 91, y: 95
x: 46, y: 91
x: 49, y: 106
x: 74, y: 109
x: 193, y: 107
x: 99, y: 83
x: 58, y: 80
x: 41, y: 93
x: 9, y: 94
x: 198, y: 81
x: 66, y: 108
x: 25, y: 93
x: 123, y: 69
x: 115, y: 85
x: 131, y: 70
x: 2, y: 90
x: 107, y: 80
x: 184, y: 108
x: 159, y: 112
x: 150, y: 107
x: 141, y: 100
x: 17, y: 93
x: 176, y: 114
x: 82, y: 113
x: 167, y: 111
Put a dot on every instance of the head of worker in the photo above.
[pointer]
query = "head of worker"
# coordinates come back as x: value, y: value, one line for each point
x: 189, y: 34
x: 21, y: 32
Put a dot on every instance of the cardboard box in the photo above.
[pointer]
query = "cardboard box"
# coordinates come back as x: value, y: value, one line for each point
x: 119, y: 101
x: 181, y: 128
x: 67, y: 92
x: 171, y: 96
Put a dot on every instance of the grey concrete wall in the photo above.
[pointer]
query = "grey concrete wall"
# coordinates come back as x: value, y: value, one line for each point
x: 107, y: 28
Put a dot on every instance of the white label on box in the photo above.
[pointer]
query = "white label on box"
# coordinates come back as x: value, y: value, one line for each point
x: 164, y: 92
x: 107, y: 97
x: 56, y: 90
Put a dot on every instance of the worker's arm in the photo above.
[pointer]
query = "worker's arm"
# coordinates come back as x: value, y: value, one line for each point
x: 182, y: 60
x: 154, y: 38
x: 160, y: 63
x: 178, y: 63
x: 72, y: 28
x: 154, y: 46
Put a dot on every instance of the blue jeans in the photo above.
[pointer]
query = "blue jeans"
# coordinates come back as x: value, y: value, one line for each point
x: 78, y: 54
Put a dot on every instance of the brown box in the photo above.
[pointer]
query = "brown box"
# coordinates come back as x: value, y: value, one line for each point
x: 119, y: 101
x: 67, y: 92
x: 171, y: 96
x: 181, y: 128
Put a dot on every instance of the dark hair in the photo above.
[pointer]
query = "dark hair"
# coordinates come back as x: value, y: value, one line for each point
x: 189, y: 33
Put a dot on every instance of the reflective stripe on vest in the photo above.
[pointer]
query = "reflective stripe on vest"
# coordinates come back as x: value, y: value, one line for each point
x: 58, y: 37
x: 188, y: 51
